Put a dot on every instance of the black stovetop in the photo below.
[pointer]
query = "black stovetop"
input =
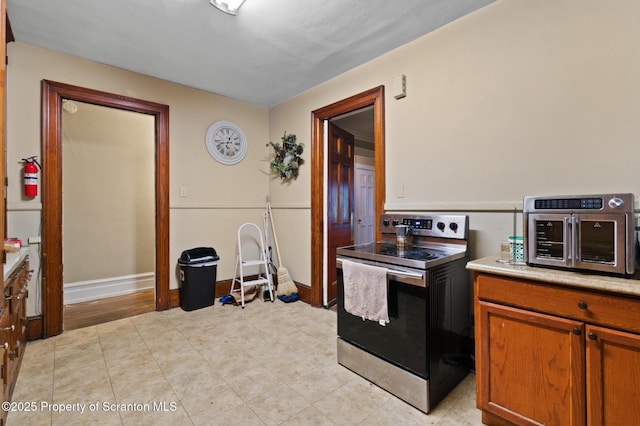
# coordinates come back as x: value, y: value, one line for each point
x: 412, y: 256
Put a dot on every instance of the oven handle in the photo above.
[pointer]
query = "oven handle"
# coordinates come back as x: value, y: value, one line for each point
x: 404, y: 273
x: 419, y: 276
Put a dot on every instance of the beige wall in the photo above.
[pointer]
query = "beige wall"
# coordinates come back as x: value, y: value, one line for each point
x: 519, y: 98
x: 220, y: 198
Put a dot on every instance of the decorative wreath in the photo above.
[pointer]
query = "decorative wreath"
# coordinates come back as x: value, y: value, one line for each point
x: 288, y: 157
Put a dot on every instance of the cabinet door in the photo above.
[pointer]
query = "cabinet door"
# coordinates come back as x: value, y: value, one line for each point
x: 613, y: 377
x: 19, y: 308
x: 4, y: 359
x: 530, y: 366
x: 5, y: 343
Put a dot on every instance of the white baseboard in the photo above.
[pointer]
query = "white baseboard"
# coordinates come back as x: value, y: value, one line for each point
x: 83, y: 291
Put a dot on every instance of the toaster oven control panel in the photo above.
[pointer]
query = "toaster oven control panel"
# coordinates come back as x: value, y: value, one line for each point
x: 568, y: 204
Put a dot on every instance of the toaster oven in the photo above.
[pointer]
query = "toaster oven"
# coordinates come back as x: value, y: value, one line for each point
x: 588, y: 232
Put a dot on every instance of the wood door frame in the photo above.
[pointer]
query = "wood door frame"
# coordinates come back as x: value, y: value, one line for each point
x: 52, y: 281
x: 369, y: 97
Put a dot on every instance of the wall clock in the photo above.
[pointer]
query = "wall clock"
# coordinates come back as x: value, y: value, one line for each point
x: 226, y: 142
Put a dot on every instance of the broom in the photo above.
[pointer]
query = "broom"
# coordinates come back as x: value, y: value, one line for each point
x: 286, y: 286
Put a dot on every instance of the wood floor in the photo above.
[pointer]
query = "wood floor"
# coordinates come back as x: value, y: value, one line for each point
x: 94, y: 312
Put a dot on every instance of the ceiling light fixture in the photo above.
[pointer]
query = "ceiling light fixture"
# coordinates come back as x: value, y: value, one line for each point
x: 227, y: 6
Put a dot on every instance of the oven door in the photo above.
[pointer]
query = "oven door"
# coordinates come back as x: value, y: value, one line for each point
x: 403, y: 341
x: 600, y: 242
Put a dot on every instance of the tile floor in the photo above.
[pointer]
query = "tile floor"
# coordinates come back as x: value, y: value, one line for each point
x: 269, y: 364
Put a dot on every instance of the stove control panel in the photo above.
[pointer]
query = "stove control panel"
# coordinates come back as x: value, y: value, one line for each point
x: 436, y: 225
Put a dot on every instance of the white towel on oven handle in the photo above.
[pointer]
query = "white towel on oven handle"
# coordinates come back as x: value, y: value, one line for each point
x: 365, y: 291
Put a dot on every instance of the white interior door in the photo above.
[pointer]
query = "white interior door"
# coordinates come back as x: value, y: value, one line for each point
x: 365, y: 194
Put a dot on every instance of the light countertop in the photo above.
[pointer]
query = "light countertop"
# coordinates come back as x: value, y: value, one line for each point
x: 491, y: 265
x: 13, y: 260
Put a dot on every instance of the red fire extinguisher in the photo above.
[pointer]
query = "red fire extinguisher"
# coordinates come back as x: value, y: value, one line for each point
x: 30, y: 174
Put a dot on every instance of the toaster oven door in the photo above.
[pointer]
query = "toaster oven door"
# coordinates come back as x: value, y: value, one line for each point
x: 600, y: 242
x: 549, y: 240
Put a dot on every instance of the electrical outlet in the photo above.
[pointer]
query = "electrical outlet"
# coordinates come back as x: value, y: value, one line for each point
x: 34, y: 240
x: 184, y: 192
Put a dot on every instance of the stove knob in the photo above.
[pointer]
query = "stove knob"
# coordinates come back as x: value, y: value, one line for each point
x: 440, y: 226
x: 395, y: 222
x: 453, y: 226
x: 385, y: 222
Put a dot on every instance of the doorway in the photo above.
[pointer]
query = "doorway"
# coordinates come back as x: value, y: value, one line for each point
x: 53, y: 94
x: 364, y: 208
x: 359, y: 123
x: 321, y: 238
x: 108, y: 243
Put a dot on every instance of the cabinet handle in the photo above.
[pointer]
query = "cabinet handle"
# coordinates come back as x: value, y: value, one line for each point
x: 582, y: 305
x: 12, y: 328
x: 577, y: 331
x: 592, y: 336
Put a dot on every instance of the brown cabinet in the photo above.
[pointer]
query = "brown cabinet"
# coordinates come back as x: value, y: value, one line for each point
x: 555, y: 355
x: 13, y: 326
x: 613, y: 376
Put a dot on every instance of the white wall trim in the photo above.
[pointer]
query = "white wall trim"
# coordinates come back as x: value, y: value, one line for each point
x: 189, y: 206
x: 464, y: 206
x: 24, y: 206
x: 231, y: 206
x: 83, y: 291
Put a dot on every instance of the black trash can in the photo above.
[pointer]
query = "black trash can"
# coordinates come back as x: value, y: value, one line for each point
x: 198, y: 267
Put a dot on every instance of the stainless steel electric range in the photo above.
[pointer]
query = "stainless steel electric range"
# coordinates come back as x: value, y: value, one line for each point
x: 425, y: 349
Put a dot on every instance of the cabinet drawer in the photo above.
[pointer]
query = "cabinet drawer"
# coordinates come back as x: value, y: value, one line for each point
x: 612, y: 311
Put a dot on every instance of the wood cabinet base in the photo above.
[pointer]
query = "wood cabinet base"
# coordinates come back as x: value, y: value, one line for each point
x: 555, y: 355
x: 490, y: 419
x: 13, y: 326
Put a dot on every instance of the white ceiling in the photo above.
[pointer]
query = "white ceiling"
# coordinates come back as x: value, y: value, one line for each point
x: 268, y: 53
